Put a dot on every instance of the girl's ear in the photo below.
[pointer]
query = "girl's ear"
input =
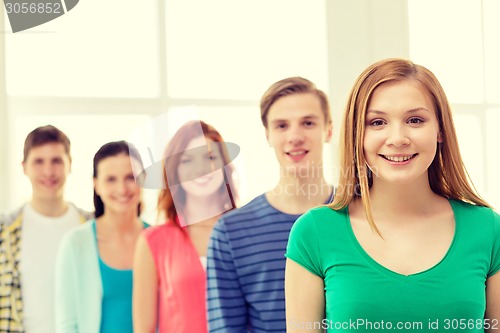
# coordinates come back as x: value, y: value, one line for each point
x: 95, y: 187
x: 439, y: 137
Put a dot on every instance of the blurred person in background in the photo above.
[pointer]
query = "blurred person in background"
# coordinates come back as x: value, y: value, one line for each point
x: 170, y: 259
x: 94, y: 267
x: 246, y: 263
x: 31, y: 235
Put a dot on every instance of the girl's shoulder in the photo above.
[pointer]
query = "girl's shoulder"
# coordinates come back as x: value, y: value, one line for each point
x: 159, y: 232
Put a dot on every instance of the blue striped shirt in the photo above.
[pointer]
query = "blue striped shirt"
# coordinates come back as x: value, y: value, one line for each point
x: 246, y: 269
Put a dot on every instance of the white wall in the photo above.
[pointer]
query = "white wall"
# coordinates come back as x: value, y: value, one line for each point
x: 361, y: 32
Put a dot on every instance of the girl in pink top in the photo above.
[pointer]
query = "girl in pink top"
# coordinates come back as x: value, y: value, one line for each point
x: 169, y: 274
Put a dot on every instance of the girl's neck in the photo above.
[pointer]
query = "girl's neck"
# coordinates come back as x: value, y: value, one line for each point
x: 205, y: 224
x: 200, y: 209
x: 119, y: 222
x: 403, y: 200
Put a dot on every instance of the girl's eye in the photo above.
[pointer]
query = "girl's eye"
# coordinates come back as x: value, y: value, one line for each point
x: 376, y: 122
x: 281, y: 126
x: 212, y: 157
x: 309, y: 123
x: 415, y: 120
x: 185, y: 161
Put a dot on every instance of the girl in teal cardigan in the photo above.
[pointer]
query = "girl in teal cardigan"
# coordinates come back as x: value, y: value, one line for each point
x: 94, y: 268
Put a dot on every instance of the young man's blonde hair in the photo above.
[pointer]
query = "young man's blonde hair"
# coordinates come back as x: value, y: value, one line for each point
x: 292, y: 86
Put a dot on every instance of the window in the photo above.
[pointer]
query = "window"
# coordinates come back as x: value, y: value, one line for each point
x: 463, y: 51
x: 98, y: 76
x: 89, y: 52
x: 226, y: 49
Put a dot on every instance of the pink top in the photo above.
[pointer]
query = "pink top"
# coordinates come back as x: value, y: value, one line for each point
x: 181, y: 280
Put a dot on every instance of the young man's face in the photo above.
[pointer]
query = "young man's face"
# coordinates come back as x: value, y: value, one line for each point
x: 47, y: 167
x: 297, y: 131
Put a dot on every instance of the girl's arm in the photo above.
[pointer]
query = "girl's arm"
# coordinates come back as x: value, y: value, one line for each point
x: 145, y: 293
x: 305, y: 299
x: 492, y: 322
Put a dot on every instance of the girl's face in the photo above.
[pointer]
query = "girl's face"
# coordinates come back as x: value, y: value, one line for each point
x: 115, y: 183
x: 200, y: 169
x: 401, y: 133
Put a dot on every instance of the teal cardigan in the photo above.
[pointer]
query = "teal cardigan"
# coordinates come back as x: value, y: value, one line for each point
x: 78, y: 283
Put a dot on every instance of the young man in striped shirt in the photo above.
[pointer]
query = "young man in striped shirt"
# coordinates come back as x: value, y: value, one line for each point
x: 246, y: 263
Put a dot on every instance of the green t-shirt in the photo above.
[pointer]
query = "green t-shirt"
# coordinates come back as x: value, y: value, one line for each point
x: 363, y: 296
